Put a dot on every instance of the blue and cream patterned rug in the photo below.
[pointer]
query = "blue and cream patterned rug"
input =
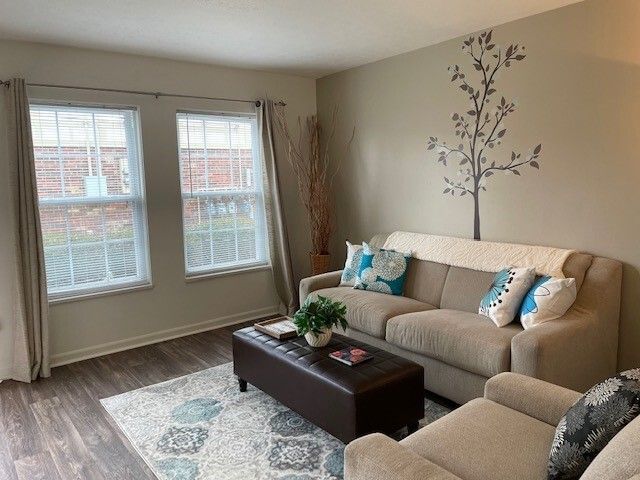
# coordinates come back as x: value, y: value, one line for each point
x: 201, y: 427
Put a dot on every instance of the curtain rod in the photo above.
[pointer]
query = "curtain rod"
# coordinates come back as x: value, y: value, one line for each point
x: 142, y: 92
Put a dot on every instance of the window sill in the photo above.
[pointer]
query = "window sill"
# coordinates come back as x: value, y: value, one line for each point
x: 105, y: 293
x: 225, y: 273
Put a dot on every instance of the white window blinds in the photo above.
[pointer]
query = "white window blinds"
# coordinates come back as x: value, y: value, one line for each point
x: 91, y: 195
x: 222, y: 196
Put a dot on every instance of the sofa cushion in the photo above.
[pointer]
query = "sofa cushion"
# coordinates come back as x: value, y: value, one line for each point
x: 464, y: 288
x: 425, y: 281
x: 368, y: 312
x: 482, y: 440
x: 464, y: 340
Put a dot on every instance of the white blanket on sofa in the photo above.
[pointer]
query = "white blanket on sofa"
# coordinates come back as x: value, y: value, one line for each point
x: 479, y: 255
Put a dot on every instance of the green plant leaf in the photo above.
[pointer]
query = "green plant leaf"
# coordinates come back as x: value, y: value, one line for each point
x: 316, y: 315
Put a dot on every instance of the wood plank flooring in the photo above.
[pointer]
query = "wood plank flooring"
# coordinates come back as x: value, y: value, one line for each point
x: 56, y: 428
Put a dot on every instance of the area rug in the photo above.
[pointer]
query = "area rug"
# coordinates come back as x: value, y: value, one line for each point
x: 201, y: 427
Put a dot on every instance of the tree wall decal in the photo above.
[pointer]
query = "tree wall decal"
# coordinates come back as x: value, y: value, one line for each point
x: 481, y: 128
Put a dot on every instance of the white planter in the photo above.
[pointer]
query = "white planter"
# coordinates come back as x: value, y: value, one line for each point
x: 318, y: 340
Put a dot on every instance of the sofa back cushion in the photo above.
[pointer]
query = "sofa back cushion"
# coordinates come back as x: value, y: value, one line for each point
x: 458, y: 288
x: 464, y: 288
x: 425, y: 281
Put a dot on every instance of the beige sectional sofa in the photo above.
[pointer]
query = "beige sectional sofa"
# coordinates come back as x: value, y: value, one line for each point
x: 437, y: 325
x: 506, y: 435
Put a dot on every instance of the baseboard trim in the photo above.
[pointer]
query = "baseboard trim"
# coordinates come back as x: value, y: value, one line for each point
x: 156, y: 337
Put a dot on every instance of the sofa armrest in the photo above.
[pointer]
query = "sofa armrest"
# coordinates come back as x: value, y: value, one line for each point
x: 538, y: 399
x: 580, y: 348
x: 317, y: 282
x: 377, y: 457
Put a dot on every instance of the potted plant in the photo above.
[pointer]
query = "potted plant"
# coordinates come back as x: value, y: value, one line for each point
x: 309, y: 158
x: 315, y: 319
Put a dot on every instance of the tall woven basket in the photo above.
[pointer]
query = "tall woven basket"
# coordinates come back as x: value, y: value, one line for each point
x: 320, y: 263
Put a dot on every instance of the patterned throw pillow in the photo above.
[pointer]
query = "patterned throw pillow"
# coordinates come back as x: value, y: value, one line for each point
x: 505, y: 295
x: 382, y: 271
x: 548, y: 299
x: 351, y: 265
x: 592, y: 422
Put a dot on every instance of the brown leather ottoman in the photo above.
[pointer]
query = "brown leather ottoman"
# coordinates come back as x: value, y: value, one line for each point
x: 380, y: 395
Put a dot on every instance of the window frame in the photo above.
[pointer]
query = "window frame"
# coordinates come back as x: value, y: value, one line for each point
x: 259, y: 193
x: 139, y: 209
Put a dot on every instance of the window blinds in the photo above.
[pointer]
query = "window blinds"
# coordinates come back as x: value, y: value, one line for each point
x: 222, y: 195
x: 91, y: 196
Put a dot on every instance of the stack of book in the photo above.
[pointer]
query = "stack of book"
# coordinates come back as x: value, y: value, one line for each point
x: 280, y: 328
x: 351, y: 355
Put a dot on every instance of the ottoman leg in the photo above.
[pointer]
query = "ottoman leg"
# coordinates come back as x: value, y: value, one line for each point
x: 243, y: 384
x: 412, y: 427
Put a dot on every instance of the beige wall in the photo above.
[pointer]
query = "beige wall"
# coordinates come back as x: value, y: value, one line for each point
x: 578, y: 93
x: 171, y: 303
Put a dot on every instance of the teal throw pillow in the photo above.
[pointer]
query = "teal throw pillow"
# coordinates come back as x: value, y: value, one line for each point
x: 383, y: 271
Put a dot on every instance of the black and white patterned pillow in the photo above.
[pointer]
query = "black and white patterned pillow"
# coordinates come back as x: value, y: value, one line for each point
x: 592, y: 422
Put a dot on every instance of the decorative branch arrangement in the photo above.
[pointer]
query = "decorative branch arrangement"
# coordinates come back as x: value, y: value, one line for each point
x: 481, y: 128
x: 314, y: 172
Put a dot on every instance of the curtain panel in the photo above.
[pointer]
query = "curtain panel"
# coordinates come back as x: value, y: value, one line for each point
x: 30, y: 303
x: 276, y: 224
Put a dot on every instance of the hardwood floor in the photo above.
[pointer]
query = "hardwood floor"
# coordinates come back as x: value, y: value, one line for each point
x: 55, y: 428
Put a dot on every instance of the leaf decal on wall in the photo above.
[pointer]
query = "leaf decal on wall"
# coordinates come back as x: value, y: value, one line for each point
x: 483, y: 127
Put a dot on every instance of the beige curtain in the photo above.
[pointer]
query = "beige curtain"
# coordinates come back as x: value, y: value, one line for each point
x: 276, y: 225
x: 30, y: 312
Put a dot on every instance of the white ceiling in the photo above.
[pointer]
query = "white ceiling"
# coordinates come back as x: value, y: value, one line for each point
x: 304, y: 37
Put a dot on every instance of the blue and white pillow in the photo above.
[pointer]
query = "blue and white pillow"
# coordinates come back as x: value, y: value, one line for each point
x: 383, y: 271
x: 548, y: 299
x: 502, y: 301
x: 351, y: 265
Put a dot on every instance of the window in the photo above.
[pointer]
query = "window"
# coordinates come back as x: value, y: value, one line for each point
x: 222, y: 197
x: 91, y: 196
